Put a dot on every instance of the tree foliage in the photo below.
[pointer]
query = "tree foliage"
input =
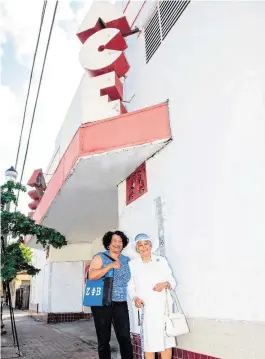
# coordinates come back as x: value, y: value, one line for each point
x: 15, y: 257
x: 8, y: 193
x: 18, y: 225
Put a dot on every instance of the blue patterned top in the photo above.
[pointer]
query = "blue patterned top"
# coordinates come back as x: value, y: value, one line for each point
x: 121, y: 276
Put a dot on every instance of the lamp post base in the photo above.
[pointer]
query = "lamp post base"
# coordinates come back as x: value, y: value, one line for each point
x: 3, y: 331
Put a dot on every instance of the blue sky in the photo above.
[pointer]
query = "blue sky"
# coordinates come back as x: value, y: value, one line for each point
x: 14, y: 74
x: 76, y: 5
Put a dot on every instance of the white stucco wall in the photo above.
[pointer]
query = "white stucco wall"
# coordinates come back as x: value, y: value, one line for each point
x: 67, y: 281
x: 62, y: 276
x: 97, y: 246
x: 45, y: 294
x: 59, y: 285
x: 76, y: 251
x: 226, y: 339
x: 37, y: 290
x: 212, y: 176
x: 71, y: 252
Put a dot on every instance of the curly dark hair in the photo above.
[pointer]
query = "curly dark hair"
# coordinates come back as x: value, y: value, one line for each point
x: 108, y: 237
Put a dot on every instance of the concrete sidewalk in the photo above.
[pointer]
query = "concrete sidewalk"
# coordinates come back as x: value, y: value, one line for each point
x: 85, y: 331
x: 75, y: 340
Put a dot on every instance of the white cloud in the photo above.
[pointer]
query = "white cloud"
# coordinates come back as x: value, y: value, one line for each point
x: 17, y: 21
x: 20, y: 19
x: 10, y: 111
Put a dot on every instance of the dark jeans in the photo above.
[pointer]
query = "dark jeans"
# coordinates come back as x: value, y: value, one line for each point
x: 117, y: 314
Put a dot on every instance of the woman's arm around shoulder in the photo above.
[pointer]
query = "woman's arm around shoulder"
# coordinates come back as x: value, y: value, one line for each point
x: 96, y: 270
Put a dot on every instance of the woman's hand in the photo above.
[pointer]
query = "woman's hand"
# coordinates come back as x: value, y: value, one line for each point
x: 116, y: 264
x: 138, y: 302
x: 161, y: 286
x: 97, y: 271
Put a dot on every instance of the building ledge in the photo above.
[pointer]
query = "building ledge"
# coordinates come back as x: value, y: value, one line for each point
x: 81, y: 199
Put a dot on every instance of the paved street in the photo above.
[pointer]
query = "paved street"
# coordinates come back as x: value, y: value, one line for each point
x: 38, y: 340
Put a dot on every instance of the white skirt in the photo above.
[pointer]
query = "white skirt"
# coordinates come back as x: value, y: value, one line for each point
x: 155, y: 338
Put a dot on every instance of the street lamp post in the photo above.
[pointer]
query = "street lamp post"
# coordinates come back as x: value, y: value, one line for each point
x: 10, y: 175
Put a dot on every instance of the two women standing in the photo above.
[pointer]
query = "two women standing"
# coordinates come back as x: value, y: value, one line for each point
x: 147, y: 279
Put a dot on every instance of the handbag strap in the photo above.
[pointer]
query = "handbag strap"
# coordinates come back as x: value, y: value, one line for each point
x: 113, y: 260
x: 106, y: 255
x: 175, y: 301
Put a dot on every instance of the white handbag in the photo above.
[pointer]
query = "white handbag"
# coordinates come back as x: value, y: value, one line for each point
x: 175, y: 322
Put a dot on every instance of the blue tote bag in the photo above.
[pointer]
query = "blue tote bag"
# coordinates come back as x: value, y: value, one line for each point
x: 99, y: 292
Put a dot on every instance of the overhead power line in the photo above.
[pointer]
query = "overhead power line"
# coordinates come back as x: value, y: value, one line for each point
x: 30, y: 80
x: 37, y: 97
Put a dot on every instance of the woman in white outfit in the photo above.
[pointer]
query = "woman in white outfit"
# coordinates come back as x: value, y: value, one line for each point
x: 150, y: 277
